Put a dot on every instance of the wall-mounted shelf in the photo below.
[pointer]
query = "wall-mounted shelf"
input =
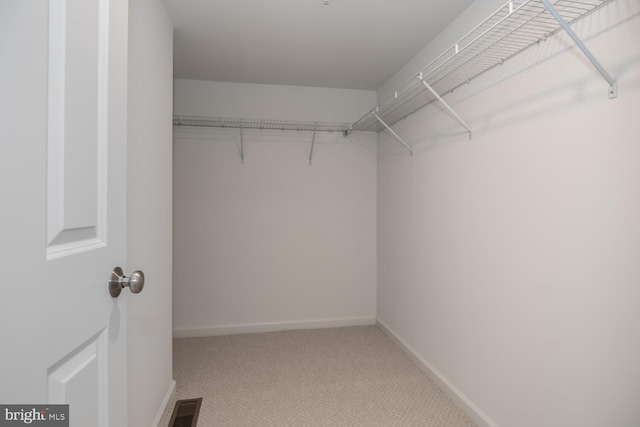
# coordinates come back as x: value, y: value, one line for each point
x: 234, y: 123
x: 513, y: 28
x: 290, y: 125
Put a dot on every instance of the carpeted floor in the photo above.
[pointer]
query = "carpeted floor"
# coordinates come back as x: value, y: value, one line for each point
x: 324, y: 377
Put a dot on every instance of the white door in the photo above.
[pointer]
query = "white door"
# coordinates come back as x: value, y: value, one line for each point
x: 63, y: 71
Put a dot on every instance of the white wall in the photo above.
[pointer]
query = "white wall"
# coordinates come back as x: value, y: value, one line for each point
x: 510, y: 262
x: 258, y: 101
x: 149, y: 205
x: 274, y: 243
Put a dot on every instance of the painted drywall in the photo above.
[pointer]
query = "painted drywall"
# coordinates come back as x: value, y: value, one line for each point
x: 510, y: 262
x: 274, y: 243
x: 149, y: 204
x: 277, y: 102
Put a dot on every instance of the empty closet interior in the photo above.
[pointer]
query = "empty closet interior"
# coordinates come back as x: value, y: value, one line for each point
x: 481, y: 206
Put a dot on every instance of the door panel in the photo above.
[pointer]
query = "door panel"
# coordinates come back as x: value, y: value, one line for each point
x: 77, y: 131
x: 80, y: 380
x: 63, y: 217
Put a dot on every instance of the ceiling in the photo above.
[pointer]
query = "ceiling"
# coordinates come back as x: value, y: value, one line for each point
x: 353, y: 44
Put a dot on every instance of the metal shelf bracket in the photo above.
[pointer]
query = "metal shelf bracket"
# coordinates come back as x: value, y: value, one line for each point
x: 613, y: 87
x: 393, y: 133
x: 241, y: 147
x: 313, y: 140
x: 443, y: 102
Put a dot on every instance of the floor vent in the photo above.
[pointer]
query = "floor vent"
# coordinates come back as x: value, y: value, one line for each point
x: 185, y: 413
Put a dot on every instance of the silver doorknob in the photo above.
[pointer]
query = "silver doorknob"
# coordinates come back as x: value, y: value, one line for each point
x: 118, y: 281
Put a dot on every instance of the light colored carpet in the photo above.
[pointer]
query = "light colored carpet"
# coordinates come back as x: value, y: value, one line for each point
x: 324, y: 377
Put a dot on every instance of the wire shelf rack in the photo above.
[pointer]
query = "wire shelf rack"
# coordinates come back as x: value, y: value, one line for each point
x: 235, y: 123
x: 513, y: 28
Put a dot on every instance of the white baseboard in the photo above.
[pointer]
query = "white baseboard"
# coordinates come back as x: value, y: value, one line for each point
x: 474, y: 412
x: 272, y: 327
x: 166, y: 404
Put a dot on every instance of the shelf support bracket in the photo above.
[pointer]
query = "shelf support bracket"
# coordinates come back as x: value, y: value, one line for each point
x: 394, y: 134
x: 613, y: 87
x: 313, y: 140
x: 446, y: 106
x: 241, y: 147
